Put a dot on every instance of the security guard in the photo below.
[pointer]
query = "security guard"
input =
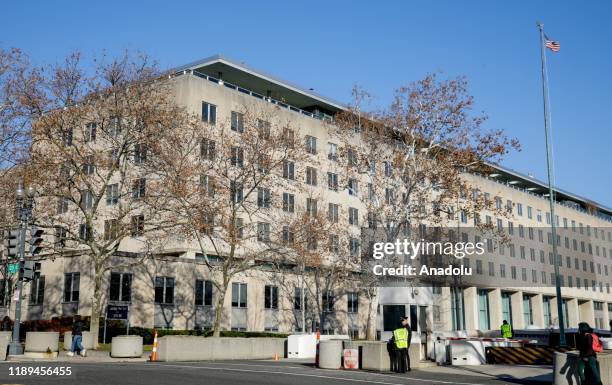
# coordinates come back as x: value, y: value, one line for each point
x: 506, y: 330
x: 401, y: 339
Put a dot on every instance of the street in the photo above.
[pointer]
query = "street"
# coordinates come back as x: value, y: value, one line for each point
x: 247, y: 372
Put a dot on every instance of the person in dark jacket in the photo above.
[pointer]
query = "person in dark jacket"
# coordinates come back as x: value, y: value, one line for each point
x: 77, y: 337
x: 6, y: 324
x: 588, y: 367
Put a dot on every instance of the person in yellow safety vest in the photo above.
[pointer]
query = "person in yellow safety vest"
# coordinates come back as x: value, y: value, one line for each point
x: 401, y: 338
x: 506, y: 330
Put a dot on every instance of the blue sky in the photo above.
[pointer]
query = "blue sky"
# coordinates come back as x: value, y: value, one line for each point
x: 332, y: 45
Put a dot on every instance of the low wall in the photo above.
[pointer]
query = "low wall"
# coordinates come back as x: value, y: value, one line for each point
x: 193, y: 348
x: 565, y: 368
x: 375, y: 356
x: 87, y: 341
x: 7, y: 335
x: 41, y: 342
x: 126, y: 346
x: 3, y: 348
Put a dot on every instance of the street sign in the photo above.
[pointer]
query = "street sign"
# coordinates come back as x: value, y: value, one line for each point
x: 117, y: 312
x: 13, y: 268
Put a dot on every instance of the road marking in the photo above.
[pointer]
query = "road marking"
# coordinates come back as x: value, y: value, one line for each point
x: 321, y: 376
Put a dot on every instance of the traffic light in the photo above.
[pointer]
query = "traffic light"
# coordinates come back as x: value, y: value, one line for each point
x: 31, y: 270
x: 36, y: 240
x: 11, y: 242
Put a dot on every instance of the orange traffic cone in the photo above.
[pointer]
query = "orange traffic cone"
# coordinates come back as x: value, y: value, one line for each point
x: 276, y: 357
x: 153, y: 356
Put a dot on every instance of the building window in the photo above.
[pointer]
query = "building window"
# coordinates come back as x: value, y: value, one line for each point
x: 311, y: 207
x: 87, y: 200
x: 354, y: 247
x: 353, y: 187
x: 483, y: 310
x: 90, y: 132
x: 209, y: 113
x: 271, y: 297
x: 332, y: 212
x: 236, y: 192
x: 352, y: 301
x: 239, y: 295
x: 332, y: 181
x: 139, y: 188
x: 288, y: 170
x: 328, y: 301
x: 297, y: 299
x: 37, y: 290
x: 71, y: 287
x: 353, y: 216
x: 89, y: 166
x: 332, y: 153
x: 527, y: 310
x: 288, y: 203
x: 120, y: 287
x: 112, y: 194
x: 264, y: 197
x: 137, y: 228
x: 311, y: 176
x: 207, y: 149
x: 140, y: 153
x: 237, y: 157
x: 111, y: 229
x: 203, y: 293
x: 61, y: 234
x: 311, y: 145
x: 288, y: 235
x: 334, y: 243
x: 263, y: 232
x: 237, y: 123
x: 164, y: 290
x: 207, y: 185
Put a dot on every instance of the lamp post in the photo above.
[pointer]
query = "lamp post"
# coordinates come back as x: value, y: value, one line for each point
x: 24, y: 215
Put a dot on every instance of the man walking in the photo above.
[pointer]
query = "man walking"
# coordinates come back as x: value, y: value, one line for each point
x: 506, y: 330
x: 77, y: 337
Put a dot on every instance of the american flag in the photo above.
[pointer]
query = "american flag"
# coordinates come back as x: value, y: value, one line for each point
x: 552, y: 45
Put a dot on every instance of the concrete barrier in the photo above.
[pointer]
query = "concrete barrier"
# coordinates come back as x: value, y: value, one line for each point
x: 330, y: 354
x: 3, y: 347
x: 126, y: 346
x: 193, y: 348
x: 7, y: 335
x: 565, y: 368
x: 375, y: 356
x: 87, y: 341
x: 41, y: 342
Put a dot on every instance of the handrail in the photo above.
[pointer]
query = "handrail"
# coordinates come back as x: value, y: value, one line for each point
x: 319, y: 116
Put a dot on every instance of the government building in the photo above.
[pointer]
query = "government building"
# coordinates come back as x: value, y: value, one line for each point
x: 173, y: 290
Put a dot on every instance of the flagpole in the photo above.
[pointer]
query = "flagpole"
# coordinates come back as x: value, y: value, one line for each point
x: 551, y: 198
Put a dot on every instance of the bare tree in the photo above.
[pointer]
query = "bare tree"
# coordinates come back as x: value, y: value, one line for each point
x: 222, y: 185
x: 92, y: 136
x: 411, y: 159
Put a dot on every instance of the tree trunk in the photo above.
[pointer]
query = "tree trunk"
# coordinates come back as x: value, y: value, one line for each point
x: 219, y: 310
x: 94, y: 323
x: 370, y: 326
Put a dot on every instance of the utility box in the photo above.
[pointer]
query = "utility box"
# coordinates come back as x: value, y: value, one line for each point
x: 305, y: 345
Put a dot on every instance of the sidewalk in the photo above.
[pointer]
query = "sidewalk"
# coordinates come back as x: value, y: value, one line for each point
x: 92, y: 356
x: 535, y: 373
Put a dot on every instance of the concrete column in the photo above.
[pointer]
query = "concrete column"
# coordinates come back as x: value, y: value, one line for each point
x: 516, y: 299
x: 537, y: 305
x: 470, y: 301
x: 554, y: 315
x: 573, y: 312
x: 445, y: 303
x: 606, y: 316
x: 495, y: 308
x: 586, y: 312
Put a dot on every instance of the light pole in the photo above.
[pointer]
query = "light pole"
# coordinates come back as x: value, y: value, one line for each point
x: 24, y: 215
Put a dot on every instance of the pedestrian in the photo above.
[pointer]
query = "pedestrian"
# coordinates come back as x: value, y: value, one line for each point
x: 406, y: 325
x: 6, y: 324
x: 393, y: 361
x: 400, y: 339
x: 588, y: 345
x: 506, y: 330
x: 77, y: 337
